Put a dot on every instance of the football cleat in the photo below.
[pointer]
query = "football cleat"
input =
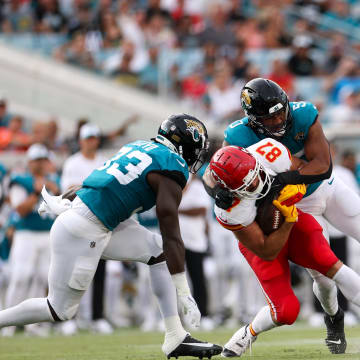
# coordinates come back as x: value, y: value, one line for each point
x: 239, y: 343
x: 335, y: 339
x: 196, y: 348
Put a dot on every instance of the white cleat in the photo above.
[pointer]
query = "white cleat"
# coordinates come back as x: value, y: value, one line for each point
x: 239, y: 343
x: 102, y: 326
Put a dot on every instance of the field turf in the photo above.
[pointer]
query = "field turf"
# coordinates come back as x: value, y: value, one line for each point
x: 291, y: 342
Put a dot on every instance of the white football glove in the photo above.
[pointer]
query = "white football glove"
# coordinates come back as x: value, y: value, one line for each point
x: 187, y: 305
x: 52, y: 206
x: 189, y: 310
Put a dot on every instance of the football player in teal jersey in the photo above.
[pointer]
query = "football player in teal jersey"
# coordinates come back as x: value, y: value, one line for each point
x: 295, y: 124
x: 98, y: 224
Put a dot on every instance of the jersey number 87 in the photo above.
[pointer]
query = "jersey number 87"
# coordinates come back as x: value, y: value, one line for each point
x: 270, y: 151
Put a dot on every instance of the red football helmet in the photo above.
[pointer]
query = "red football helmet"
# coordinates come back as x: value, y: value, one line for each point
x: 236, y: 169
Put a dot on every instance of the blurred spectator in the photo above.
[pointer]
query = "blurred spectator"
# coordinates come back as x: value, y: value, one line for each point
x: 78, y: 166
x: 272, y: 23
x: 30, y: 251
x: 235, y: 11
x: 282, y: 76
x: 149, y: 75
x: 346, y: 74
x: 300, y: 62
x: 217, y: 30
x: 4, y: 115
x: 186, y: 36
x: 209, y: 70
x: 72, y: 143
x: 335, y: 53
x: 16, y: 16
x: 154, y: 7
x: 76, y: 52
x: 194, y: 86
x: 131, y: 24
x: 40, y: 132
x: 340, y: 12
x: 223, y: 97
x: 348, y: 110
x: 80, y: 18
x: 240, y: 62
x: 12, y: 137
x: 111, y: 33
x: 157, y: 34
x: 348, y: 162
x: 129, y: 60
x: 53, y: 139
x: 48, y: 17
x: 250, y: 34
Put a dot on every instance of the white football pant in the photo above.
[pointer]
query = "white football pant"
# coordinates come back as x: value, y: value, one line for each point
x: 340, y: 206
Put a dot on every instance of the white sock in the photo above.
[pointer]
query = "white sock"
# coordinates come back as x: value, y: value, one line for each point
x: 164, y: 289
x: 28, y: 312
x: 262, y: 321
x: 326, y: 292
x: 348, y: 282
x: 174, y: 334
x: 165, y: 292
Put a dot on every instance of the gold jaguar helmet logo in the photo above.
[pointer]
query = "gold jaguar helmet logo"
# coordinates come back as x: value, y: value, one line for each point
x: 245, y: 99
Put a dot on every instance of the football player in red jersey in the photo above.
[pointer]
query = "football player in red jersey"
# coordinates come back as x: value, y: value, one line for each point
x: 248, y: 174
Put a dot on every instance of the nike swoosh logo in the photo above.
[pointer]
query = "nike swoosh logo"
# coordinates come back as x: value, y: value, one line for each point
x: 181, y: 163
x: 338, y: 342
x: 207, y: 345
x: 331, y: 181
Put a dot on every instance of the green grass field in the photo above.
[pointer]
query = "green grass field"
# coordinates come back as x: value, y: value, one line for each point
x: 295, y: 342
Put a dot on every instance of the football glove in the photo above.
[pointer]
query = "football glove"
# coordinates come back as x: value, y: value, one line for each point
x: 223, y: 198
x: 187, y: 305
x: 289, y: 212
x: 52, y: 206
x: 189, y: 310
x: 291, y: 194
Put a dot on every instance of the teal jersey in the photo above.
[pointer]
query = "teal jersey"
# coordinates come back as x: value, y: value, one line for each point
x: 304, y: 114
x: 33, y: 221
x: 149, y: 218
x: 119, y: 189
x: 3, y: 171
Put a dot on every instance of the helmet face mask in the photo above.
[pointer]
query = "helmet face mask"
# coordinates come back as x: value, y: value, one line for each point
x: 237, y: 170
x: 267, y: 107
x: 187, y: 136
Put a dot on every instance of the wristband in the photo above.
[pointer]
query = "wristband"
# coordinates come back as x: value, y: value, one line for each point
x: 181, y: 284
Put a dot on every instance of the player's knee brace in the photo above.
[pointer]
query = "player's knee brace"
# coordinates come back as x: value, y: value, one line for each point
x: 289, y: 310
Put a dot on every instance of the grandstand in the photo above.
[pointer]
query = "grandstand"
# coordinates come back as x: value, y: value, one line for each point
x: 106, y: 61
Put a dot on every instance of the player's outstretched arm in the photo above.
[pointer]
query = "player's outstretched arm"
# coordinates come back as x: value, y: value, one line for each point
x: 168, y: 197
x: 319, y: 165
x: 317, y: 151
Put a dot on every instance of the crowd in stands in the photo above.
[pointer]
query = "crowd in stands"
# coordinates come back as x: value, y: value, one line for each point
x: 203, y: 51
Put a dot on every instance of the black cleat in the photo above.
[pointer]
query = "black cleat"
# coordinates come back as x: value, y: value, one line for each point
x: 196, y: 348
x: 335, y: 339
